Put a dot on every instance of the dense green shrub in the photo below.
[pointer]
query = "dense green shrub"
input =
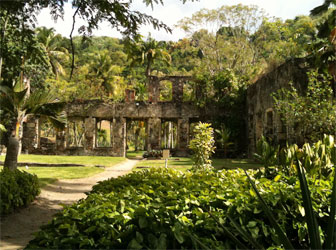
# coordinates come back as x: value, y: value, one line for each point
x: 152, y: 154
x: 163, y: 208
x: 203, y: 146
x: 18, y: 189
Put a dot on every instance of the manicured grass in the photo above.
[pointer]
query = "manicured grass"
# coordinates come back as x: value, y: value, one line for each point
x: 135, y: 154
x: 183, y: 164
x: 234, y: 163
x: 64, y: 159
x: 48, y: 175
x: 178, y: 163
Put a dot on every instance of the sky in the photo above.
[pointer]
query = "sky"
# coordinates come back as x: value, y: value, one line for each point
x: 174, y: 10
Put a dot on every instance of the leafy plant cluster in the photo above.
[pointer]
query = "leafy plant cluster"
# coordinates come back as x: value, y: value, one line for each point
x: 18, y: 189
x: 202, y: 146
x: 152, y: 154
x: 163, y: 208
x: 311, y: 114
x: 317, y: 158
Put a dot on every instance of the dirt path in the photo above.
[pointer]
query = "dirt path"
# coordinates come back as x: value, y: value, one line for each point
x: 17, y: 229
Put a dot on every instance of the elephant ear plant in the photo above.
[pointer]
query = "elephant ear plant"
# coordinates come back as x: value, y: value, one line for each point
x: 310, y: 217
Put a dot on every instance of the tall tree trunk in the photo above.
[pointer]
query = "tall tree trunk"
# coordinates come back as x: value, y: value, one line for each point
x: 12, y: 153
x: 148, y: 69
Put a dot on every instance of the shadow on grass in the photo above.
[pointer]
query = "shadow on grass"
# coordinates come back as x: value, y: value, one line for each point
x: 235, y: 163
x: 68, y: 188
x: 45, y: 181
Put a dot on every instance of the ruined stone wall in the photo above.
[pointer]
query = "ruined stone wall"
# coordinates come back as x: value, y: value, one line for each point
x: 88, y: 113
x: 261, y: 116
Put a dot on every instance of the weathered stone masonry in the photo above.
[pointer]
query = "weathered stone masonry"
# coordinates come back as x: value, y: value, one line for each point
x: 261, y: 116
x: 152, y: 111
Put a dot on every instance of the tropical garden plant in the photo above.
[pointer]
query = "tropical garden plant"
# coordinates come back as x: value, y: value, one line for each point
x: 302, y: 163
x: 202, y: 146
x: 18, y: 189
x: 163, y: 208
x: 224, y: 138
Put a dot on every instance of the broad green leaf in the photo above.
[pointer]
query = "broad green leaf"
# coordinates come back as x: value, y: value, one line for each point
x: 143, y: 222
x: 134, y: 245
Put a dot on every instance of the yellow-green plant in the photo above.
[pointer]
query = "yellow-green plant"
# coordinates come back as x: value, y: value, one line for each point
x: 316, y: 158
x: 203, y: 146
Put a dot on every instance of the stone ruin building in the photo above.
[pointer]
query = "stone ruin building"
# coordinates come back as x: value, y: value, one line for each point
x: 85, y: 117
x: 261, y: 116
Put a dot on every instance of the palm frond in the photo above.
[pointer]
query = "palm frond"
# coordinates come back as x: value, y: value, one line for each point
x: 313, y: 229
x: 319, y: 10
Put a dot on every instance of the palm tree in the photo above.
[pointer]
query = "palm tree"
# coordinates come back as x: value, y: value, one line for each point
x: 17, y: 103
x: 105, y: 71
x: 146, y: 52
x: 224, y: 137
x: 51, y: 46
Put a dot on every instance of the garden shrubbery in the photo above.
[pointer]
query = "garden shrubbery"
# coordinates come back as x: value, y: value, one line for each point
x: 152, y: 154
x: 18, y: 189
x: 164, y: 208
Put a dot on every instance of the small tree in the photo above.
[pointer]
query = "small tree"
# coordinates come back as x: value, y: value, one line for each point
x: 312, y: 113
x: 203, y: 146
x: 224, y: 139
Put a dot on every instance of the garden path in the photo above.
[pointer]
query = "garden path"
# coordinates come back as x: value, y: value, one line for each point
x: 17, y: 229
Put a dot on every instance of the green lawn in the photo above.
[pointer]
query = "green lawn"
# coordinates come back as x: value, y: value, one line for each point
x: 182, y: 163
x: 135, y: 154
x: 50, y: 174
x: 178, y: 163
x: 65, y: 159
x: 235, y: 163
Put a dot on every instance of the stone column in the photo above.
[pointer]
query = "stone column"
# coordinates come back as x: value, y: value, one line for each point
x: 183, y: 136
x: 90, y: 132
x: 60, y: 140
x: 147, y: 135
x: 154, y: 133
x: 30, y: 137
x: 177, y: 91
x: 119, y: 136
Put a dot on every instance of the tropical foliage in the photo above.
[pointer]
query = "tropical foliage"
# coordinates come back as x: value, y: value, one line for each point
x: 163, y: 208
x: 18, y: 189
x: 18, y: 103
x: 311, y: 114
x: 202, y: 146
